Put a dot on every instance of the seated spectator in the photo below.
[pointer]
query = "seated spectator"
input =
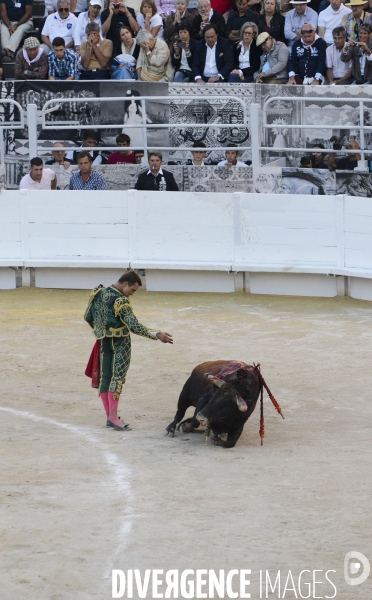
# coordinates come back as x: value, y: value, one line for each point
x: 330, y: 18
x: 271, y: 21
x: 31, y: 61
x: 274, y: 60
x: 344, y: 163
x: 124, y: 63
x: 305, y: 162
x: 198, y: 155
x: 90, y: 140
x: 62, y: 63
x: 358, y: 17
x: 360, y: 54
x: 181, y: 15
x: 232, y: 159
x: 149, y: 20
x: 139, y: 156
x: 76, y: 6
x: 338, y: 72
x: 116, y: 15
x: 16, y: 22
x: 95, y: 54
x: 59, y: 156
x: 182, y: 54
x: 296, y: 18
x: 213, y: 58
x: 238, y: 18
x: 153, y: 58
x: 206, y: 17
x: 318, y: 158
x: 87, y: 178
x: 246, y: 55
x: 59, y: 25
x: 38, y: 178
x: 156, y: 179
x: 307, y: 59
x: 122, y: 156
x: 92, y: 15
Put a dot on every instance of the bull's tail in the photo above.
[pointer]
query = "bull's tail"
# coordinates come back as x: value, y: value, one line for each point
x: 263, y: 385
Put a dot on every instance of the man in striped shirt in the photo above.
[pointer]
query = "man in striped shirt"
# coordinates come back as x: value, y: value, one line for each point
x: 87, y: 178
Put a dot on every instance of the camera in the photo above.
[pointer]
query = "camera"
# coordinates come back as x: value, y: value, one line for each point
x: 181, y: 45
x: 337, y: 142
x: 117, y: 5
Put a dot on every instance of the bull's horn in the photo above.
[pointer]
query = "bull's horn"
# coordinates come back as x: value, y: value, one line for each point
x: 242, y: 405
x: 213, y: 379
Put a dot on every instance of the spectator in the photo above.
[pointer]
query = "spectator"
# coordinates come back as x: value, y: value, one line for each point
x: 149, y: 20
x: 156, y: 179
x: 338, y: 72
x: 31, y: 61
x: 117, y: 14
x: 305, y: 162
x: 344, y: 163
x: 307, y: 60
x: 330, y: 18
x: 181, y: 15
x: 238, y: 18
x: 76, y: 6
x: 164, y: 8
x: 296, y: 18
x: 205, y: 17
x: 124, y: 64
x: 198, y: 155
x: 153, y: 58
x: 59, y: 156
x: 232, y: 159
x: 87, y: 178
x: 213, y: 59
x: 246, y: 55
x: 122, y: 156
x: 360, y: 54
x: 182, y: 53
x: 318, y: 158
x: 92, y: 15
x: 16, y: 22
x: 90, y: 140
x: 96, y: 54
x: 38, y: 178
x: 274, y: 60
x: 271, y: 21
x: 139, y: 155
x: 358, y: 17
x: 59, y: 25
x: 62, y: 63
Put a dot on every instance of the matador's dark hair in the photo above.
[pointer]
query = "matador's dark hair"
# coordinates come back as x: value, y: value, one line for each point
x: 130, y: 277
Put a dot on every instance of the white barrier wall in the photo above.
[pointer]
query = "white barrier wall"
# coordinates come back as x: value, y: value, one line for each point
x: 305, y: 245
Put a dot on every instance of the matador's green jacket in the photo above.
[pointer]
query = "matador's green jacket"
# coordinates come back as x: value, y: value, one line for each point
x: 111, y: 317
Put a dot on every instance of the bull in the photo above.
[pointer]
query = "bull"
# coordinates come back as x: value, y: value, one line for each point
x: 224, y: 394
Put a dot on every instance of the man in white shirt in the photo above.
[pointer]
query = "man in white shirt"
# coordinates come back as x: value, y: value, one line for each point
x: 330, y: 18
x: 59, y: 25
x: 232, y: 158
x: 213, y: 58
x: 338, y: 72
x: 38, y: 178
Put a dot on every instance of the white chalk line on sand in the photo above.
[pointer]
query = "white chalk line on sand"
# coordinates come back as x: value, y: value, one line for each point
x: 120, y: 473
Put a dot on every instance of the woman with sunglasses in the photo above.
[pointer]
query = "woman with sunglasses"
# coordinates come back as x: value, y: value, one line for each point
x: 246, y: 55
x: 61, y: 24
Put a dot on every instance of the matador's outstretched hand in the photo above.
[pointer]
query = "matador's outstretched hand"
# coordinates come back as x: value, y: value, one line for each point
x: 164, y: 337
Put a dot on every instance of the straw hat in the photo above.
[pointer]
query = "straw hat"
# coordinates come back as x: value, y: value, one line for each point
x: 299, y: 1
x: 356, y: 3
x: 262, y: 38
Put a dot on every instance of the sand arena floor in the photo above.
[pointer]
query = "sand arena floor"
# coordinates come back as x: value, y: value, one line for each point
x: 78, y: 500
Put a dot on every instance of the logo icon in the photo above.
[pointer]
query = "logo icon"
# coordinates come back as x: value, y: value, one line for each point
x: 353, y: 563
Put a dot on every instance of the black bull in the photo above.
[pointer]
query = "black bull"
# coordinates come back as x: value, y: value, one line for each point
x: 225, y: 394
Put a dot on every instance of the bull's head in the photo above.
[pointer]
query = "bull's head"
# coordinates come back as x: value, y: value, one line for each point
x: 224, y: 406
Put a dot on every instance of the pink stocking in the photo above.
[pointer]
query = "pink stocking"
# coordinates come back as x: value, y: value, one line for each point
x: 113, y: 411
x: 105, y: 402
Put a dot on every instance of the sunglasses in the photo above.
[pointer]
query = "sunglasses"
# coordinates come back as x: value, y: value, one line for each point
x: 63, y: 10
x: 307, y: 31
x: 248, y: 32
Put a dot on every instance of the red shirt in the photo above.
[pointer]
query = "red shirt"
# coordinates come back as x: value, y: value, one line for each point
x: 116, y: 158
x: 221, y: 6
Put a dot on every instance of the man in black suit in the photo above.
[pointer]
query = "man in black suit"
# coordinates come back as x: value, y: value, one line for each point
x: 213, y: 58
x: 156, y: 179
x: 207, y: 15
